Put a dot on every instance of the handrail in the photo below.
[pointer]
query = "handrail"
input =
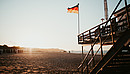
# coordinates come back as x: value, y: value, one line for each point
x: 94, y: 27
x: 98, y: 49
x: 92, y: 44
x: 95, y: 53
x: 91, y: 49
x: 105, y: 21
x: 87, y: 55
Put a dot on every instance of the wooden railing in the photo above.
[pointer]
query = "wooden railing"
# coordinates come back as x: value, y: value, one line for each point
x: 104, y: 33
x: 90, y: 35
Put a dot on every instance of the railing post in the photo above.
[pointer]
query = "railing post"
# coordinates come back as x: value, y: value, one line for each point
x: 100, y: 38
x: 106, y: 29
x: 78, y: 39
x: 83, y: 37
x: 111, y: 26
x: 90, y: 34
x: 127, y: 14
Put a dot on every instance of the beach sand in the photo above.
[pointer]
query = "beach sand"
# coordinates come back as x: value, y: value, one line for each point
x: 38, y: 62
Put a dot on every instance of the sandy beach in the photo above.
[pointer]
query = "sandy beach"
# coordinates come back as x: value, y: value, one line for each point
x: 38, y: 62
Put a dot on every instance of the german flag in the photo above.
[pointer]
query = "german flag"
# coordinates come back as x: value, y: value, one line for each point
x: 74, y: 9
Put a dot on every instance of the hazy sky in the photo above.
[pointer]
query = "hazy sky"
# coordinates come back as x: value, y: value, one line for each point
x: 46, y: 23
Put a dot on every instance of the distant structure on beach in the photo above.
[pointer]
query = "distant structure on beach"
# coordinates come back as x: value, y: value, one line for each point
x: 6, y: 49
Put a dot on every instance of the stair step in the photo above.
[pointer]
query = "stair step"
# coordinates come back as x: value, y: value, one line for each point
x: 119, y: 64
x: 121, y: 60
x: 124, y: 67
x: 116, y: 70
x: 113, y: 72
x: 124, y: 52
x: 122, y: 57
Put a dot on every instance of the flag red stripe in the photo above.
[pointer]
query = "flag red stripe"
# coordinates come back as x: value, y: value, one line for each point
x: 73, y: 9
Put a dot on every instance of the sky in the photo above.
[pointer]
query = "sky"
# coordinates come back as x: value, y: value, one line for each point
x: 46, y: 23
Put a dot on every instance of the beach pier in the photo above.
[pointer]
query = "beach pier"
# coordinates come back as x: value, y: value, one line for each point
x: 115, y: 32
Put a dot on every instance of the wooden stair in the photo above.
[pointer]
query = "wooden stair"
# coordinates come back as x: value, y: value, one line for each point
x: 117, y: 57
x: 116, y: 32
x: 119, y: 64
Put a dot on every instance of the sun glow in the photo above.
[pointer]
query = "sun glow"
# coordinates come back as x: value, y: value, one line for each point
x: 30, y: 50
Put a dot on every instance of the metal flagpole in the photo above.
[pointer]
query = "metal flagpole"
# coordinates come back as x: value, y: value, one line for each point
x: 78, y: 21
x: 79, y: 33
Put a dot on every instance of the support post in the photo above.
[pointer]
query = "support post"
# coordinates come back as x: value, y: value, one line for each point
x: 87, y: 69
x: 82, y: 53
x: 82, y: 59
x: 111, y: 26
x: 93, y: 62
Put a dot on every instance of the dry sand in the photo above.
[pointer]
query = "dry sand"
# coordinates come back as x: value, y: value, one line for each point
x: 38, y: 62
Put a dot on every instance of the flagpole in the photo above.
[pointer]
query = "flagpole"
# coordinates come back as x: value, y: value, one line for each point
x: 78, y: 21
